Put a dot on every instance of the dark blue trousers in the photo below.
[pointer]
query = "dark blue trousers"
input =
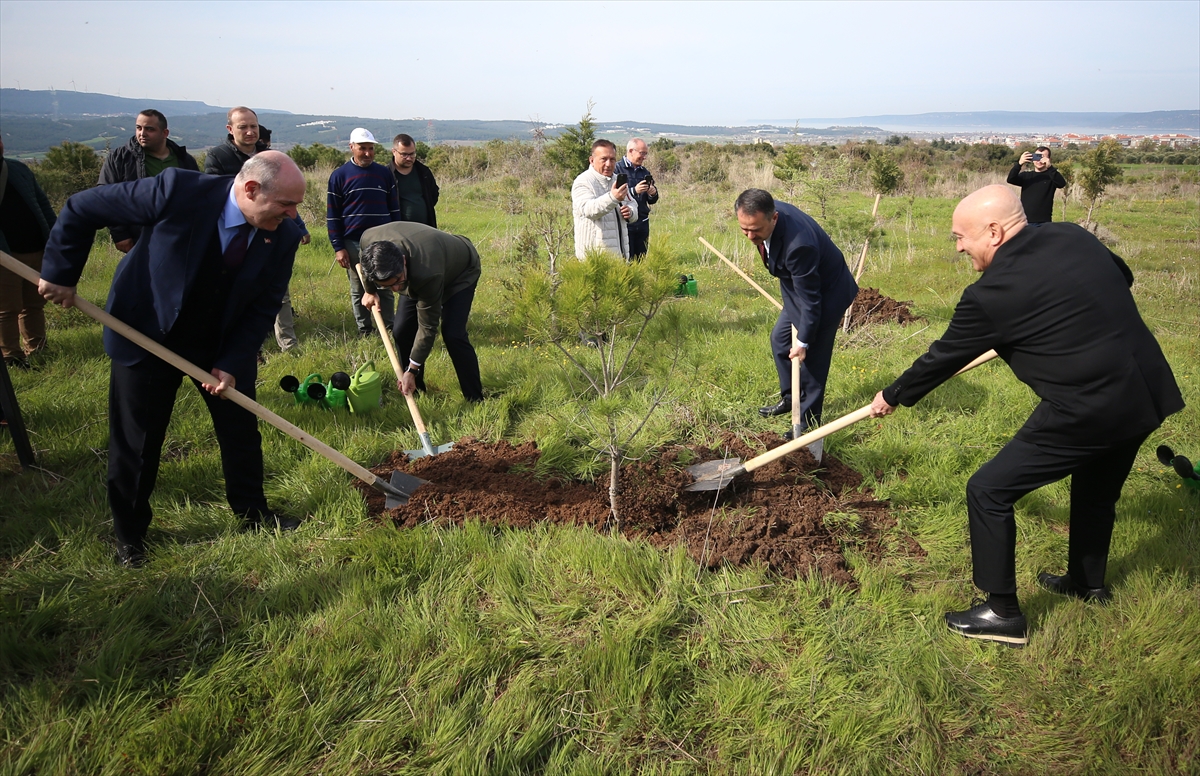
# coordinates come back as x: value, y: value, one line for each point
x: 140, y: 401
x: 815, y: 369
x: 455, y: 312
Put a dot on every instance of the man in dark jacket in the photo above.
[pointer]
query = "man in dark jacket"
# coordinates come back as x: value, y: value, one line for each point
x: 434, y: 275
x: 148, y: 152
x: 817, y: 288
x: 245, y: 139
x: 241, y: 142
x: 25, y: 221
x: 1055, y: 304
x: 205, y: 282
x: 641, y: 185
x: 415, y: 185
x: 1038, y: 185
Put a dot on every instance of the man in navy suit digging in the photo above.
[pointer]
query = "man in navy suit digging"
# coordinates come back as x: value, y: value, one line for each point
x: 205, y: 280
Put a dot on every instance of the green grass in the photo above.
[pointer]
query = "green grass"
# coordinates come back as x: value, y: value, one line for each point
x: 353, y: 648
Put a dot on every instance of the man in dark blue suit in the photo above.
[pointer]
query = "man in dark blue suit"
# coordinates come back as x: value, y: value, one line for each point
x: 817, y: 288
x: 205, y: 280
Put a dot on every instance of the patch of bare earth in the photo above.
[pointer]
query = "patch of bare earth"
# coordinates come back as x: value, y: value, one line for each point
x: 871, y: 307
x: 774, y: 516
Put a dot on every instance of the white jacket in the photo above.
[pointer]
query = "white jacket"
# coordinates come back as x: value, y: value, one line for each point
x: 598, y: 222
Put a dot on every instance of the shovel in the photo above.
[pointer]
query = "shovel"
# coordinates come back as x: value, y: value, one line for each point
x: 427, y: 446
x: 398, y: 490
x: 715, y: 475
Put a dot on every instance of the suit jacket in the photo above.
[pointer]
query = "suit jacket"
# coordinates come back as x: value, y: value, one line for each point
x: 440, y: 265
x: 178, y: 210
x: 1055, y: 304
x: 813, y: 276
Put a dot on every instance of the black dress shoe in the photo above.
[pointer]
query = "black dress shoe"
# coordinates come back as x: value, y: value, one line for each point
x: 980, y: 622
x: 782, y: 408
x: 271, y: 522
x: 130, y: 557
x: 1064, y: 585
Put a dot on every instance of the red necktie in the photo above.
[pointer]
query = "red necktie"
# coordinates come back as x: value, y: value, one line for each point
x: 762, y: 251
x: 235, y: 252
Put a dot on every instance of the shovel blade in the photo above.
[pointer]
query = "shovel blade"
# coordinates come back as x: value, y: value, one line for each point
x: 404, y: 485
x: 432, y: 450
x: 714, y: 475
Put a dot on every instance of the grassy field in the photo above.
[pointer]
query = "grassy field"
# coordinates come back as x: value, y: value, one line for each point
x: 350, y: 647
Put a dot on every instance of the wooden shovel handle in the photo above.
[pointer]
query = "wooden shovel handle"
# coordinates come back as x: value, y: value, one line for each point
x: 745, y: 277
x: 861, y: 413
x: 391, y: 351
x: 195, y: 372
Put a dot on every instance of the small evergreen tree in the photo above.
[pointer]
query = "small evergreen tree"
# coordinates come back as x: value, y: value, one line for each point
x: 570, y: 151
x: 1098, y: 168
x: 886, y: 175
x: 610, y: 303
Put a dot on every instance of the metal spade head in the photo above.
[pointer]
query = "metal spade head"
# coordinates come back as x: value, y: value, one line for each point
x: 1165, y: 455
x: 714, y: 475
x: 403, y: 485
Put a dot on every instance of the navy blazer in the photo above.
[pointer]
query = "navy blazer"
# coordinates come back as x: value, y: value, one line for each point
x: 178, y: 210
x: 813, y: 276
x: 1055, y: 304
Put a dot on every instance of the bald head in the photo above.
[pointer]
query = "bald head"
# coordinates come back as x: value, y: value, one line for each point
x: 268, y: 189
x: 984, y: 220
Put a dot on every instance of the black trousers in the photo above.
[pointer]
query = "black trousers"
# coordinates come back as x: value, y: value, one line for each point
x: 1097, y: 476
x: 455, y: 312
x: 639, y: 238
x: 814, y: 372
x: 140, y: 401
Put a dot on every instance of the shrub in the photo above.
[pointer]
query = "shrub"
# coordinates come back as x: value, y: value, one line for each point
x: 67, y: 169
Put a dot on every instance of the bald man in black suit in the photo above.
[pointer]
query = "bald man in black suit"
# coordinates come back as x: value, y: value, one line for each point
x: 1056, y: 305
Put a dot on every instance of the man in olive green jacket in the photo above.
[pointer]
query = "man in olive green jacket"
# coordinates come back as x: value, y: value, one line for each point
x: 434, y: 275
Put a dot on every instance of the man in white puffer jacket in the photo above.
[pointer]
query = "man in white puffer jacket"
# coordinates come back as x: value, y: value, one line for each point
x: 602, y: 209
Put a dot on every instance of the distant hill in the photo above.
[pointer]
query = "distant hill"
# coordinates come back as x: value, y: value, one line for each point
x: 71, y: 104
x: 1159, y: 121
x: 32, y: 124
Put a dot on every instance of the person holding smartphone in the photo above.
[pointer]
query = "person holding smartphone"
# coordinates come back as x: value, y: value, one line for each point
x: 602, y: 204
x: 1037, y: 185
x: 641, y: 182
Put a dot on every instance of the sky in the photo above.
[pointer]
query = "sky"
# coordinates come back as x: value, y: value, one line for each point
x: 671, y: 62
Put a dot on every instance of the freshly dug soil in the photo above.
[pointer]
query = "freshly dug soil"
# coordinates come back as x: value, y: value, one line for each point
x: 871, y: 307
x: 775, y: 515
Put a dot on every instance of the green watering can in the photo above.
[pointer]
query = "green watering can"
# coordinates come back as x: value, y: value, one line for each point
x: 366, y: 389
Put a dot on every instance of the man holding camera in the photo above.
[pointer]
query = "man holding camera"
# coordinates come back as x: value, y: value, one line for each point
x: 644, y: 193
x: 602, y: 205
x: 1037, y: 185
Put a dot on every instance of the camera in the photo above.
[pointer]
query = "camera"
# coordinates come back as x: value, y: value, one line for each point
x: 622, y: 179
x: 650, y: 179
x: 1036, y: 157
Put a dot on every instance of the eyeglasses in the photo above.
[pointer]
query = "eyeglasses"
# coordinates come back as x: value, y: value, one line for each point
x: 413, y: 155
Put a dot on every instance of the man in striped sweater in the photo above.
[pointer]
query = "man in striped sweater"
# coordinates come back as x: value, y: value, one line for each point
x: 362, y: 194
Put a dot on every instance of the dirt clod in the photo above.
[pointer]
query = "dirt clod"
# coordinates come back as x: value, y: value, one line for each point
x: 792, y: 516
x: 871, y: 307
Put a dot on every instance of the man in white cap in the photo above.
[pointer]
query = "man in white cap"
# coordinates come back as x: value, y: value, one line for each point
x: 362, y: 194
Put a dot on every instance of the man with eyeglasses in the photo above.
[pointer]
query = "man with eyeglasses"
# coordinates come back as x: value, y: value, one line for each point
x: 434, y: 275
x: 415, y: 185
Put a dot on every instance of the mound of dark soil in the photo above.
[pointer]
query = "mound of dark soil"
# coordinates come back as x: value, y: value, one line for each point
x: 871, y: 307
x: 775, y: 515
